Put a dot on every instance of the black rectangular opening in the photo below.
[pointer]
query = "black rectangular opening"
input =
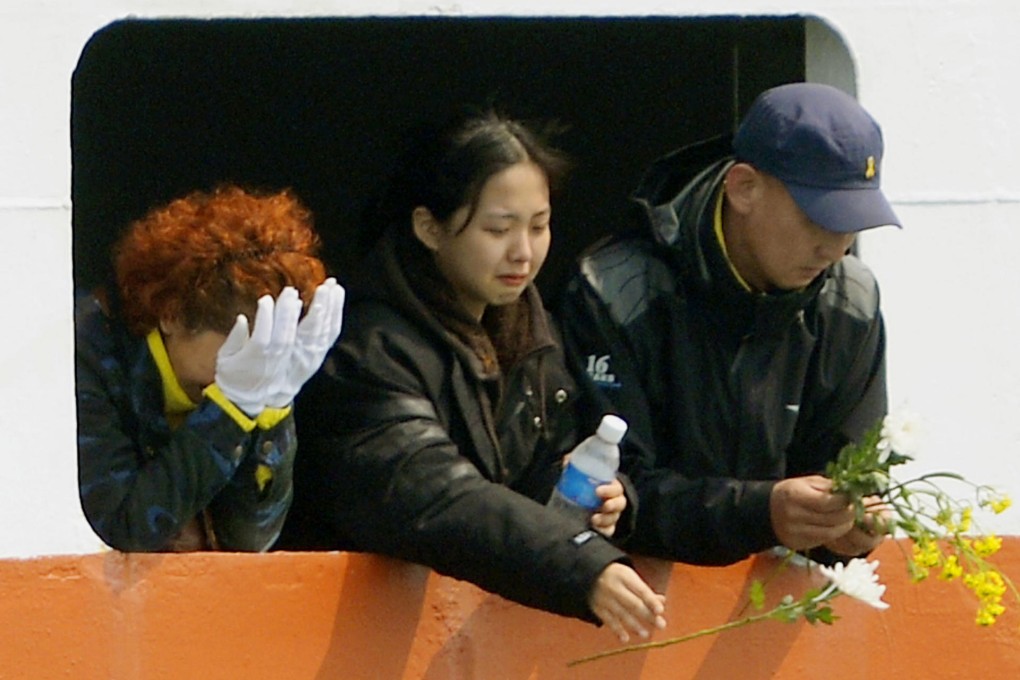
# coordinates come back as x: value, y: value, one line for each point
x: 163, y: 107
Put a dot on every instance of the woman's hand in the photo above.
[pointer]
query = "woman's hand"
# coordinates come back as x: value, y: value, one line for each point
x: 614, y: 502
x: 624, y: 602
x: 246, y: 364
x: 315, y: 335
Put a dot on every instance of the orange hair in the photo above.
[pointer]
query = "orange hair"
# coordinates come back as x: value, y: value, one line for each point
x: 205, y: 258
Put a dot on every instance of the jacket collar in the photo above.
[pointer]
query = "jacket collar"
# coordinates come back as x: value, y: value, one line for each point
x: 399, y: 288
x: 677, y: 195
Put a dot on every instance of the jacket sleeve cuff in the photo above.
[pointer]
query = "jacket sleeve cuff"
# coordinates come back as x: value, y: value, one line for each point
x: 215, y: 395
x: 595, y: 554
x: 271, y: 417
x: 628, y: 520
x: 756, y: 516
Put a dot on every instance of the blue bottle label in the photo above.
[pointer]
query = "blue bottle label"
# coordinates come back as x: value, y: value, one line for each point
x: 579, y: 488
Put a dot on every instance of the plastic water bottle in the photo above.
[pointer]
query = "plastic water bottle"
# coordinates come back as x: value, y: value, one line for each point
x: 594, y: 462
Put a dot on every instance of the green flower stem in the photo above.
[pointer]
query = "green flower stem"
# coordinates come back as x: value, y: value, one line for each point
x: 927, y: 479
x: 779, y: 568
x: 684, y: 638
x: 781, y: 612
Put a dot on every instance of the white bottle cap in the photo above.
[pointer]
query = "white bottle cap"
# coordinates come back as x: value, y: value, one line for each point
x: 612, y: 428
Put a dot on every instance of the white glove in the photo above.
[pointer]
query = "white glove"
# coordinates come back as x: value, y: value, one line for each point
x: 245, y: 366
x: 316, y: 334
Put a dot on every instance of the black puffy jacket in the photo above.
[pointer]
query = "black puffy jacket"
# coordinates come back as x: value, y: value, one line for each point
x: 410, y: 449
x: 726, y: 391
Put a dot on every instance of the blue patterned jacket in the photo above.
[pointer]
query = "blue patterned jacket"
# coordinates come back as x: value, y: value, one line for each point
x: 145, y: 486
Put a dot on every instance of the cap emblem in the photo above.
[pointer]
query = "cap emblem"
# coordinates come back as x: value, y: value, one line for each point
x: 869, y: 170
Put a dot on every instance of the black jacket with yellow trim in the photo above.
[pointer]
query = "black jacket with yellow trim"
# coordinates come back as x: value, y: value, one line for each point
x: 726, y: 391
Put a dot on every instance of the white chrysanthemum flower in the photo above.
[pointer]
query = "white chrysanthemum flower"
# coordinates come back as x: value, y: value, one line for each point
x: 857, y: 578
x: 900, y: 432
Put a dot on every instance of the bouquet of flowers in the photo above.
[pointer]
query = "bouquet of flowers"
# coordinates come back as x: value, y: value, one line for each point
x: 940, y: 528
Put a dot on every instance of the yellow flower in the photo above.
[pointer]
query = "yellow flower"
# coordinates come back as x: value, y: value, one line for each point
x: 987, y: 585
x: 996, y: 588
x: 927, y: 554
x: 965, y: 518
x: 951, y: 569
x: 987, y: 545
x: 987, y: 614
x: 1000, y: 504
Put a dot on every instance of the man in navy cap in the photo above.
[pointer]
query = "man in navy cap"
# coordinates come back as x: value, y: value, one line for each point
x: 737, y: 336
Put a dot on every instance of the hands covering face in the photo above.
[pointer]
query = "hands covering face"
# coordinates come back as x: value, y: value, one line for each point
x: 269, y: 366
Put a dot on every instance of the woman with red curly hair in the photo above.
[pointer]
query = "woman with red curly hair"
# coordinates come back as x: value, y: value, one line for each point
x: 185, y: 435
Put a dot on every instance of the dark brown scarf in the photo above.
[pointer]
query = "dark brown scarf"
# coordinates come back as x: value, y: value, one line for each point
x: 504, y: 334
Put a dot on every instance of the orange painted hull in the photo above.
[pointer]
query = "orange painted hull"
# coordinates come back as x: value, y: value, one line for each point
x: 336, y: 615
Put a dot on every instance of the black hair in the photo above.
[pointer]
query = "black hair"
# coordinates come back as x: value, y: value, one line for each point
x: 444, y: 167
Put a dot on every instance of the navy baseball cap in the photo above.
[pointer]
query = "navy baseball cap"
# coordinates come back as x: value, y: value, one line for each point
x: 825, y: 148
